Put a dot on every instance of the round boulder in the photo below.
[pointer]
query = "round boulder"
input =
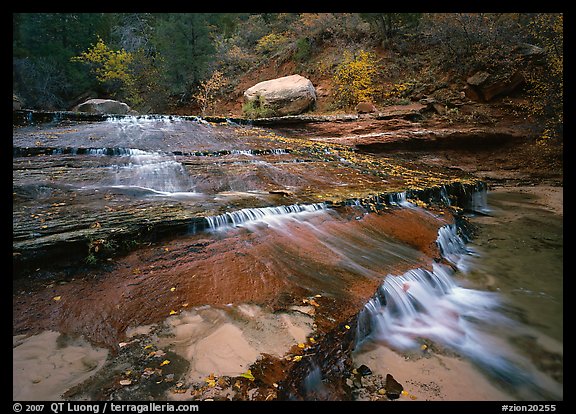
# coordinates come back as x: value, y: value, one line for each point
x: 103, y: 106
x: 289, y: 95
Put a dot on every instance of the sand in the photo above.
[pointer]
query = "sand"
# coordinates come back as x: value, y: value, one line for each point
x: 48, y: 364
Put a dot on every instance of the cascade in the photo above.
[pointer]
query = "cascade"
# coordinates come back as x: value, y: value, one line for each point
x: 424, y: 304
x: 237, y: 218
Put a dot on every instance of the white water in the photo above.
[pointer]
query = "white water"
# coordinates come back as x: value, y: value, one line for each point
x: 423, y: 304
x: 263, y: 214
x: 153, y: 171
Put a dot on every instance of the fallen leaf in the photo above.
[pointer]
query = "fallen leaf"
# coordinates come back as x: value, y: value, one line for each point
x: 313, y: 303
x: 57, y: 298
x: 148, y: 346
x: 301, y: 345
x: 248, y: 374
x: 172, y: 289
x: 165, y: 362
x: 125, y: 382
x: 347, y: 326
x: 424, y: 347
x: 122, y: 344
x: 173, y: 312
x: 312, y: 340
x: 297, y: 358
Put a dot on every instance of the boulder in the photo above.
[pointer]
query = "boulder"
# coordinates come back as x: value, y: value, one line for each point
x: 483, y: 87
x: 17, y: 103
x: 103, y: 106
x: 289, y: 95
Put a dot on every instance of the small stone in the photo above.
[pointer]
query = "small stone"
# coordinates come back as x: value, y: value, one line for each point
x: 393, y: 387
x: 364, y: 370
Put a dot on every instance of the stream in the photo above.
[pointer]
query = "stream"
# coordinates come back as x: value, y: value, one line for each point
x: 168, y: 258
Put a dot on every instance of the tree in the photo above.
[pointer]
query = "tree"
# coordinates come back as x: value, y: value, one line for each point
x: 42, y: 45
x: 112, y: 68
x: 390, y: 24
x: 546, y: 81
x: 208, y: 91
x: 185, y: 49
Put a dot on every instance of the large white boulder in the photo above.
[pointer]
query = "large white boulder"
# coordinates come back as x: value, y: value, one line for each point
x: 102, y: 106
x: 289, y: 95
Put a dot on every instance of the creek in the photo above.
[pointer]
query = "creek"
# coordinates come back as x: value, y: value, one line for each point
x: 219, y: 246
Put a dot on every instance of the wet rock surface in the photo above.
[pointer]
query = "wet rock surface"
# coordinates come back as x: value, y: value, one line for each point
x: 96, y: 254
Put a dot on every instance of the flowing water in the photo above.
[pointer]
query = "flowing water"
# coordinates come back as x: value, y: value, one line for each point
x: 490, y: 309
x: 501, y: 309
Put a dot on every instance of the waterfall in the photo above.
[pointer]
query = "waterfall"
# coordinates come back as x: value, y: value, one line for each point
x: 453, y: 247
x: 147, y: 170
x: 239, y: 217
x: 424, y: 304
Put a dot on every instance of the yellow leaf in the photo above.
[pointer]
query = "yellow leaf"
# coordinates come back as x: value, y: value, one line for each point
x: 297, y: 358
x: 148, y: 346
x: 173, y: 312
x: 424, y: 347
x: 404, y: 392
x: 57, y: 298
x: 172, y: 289
x: 301, y: 345
x: 312, y: 340
x: 347, y: 326
x: 165, y: 362
x: 248, y: 374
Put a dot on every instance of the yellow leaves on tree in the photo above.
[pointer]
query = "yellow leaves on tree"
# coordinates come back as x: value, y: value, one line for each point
x: 272, y: 42
x: 209, y: 89
x: 109, y: 65
x: 546, y: 81
x: 355, y: 78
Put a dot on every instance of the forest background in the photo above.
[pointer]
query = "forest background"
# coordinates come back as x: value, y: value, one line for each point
x: 201, y: 63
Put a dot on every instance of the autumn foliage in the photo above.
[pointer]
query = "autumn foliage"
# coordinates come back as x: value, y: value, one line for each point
x: 355, y: 78
x: 111, y: 67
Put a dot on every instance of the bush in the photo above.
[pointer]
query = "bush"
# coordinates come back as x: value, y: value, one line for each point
x: 355, y: 79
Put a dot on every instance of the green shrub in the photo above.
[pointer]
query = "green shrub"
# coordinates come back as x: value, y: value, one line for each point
x: 256, y: 108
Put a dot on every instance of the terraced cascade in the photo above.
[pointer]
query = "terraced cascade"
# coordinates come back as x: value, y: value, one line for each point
x: 258, y: 265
